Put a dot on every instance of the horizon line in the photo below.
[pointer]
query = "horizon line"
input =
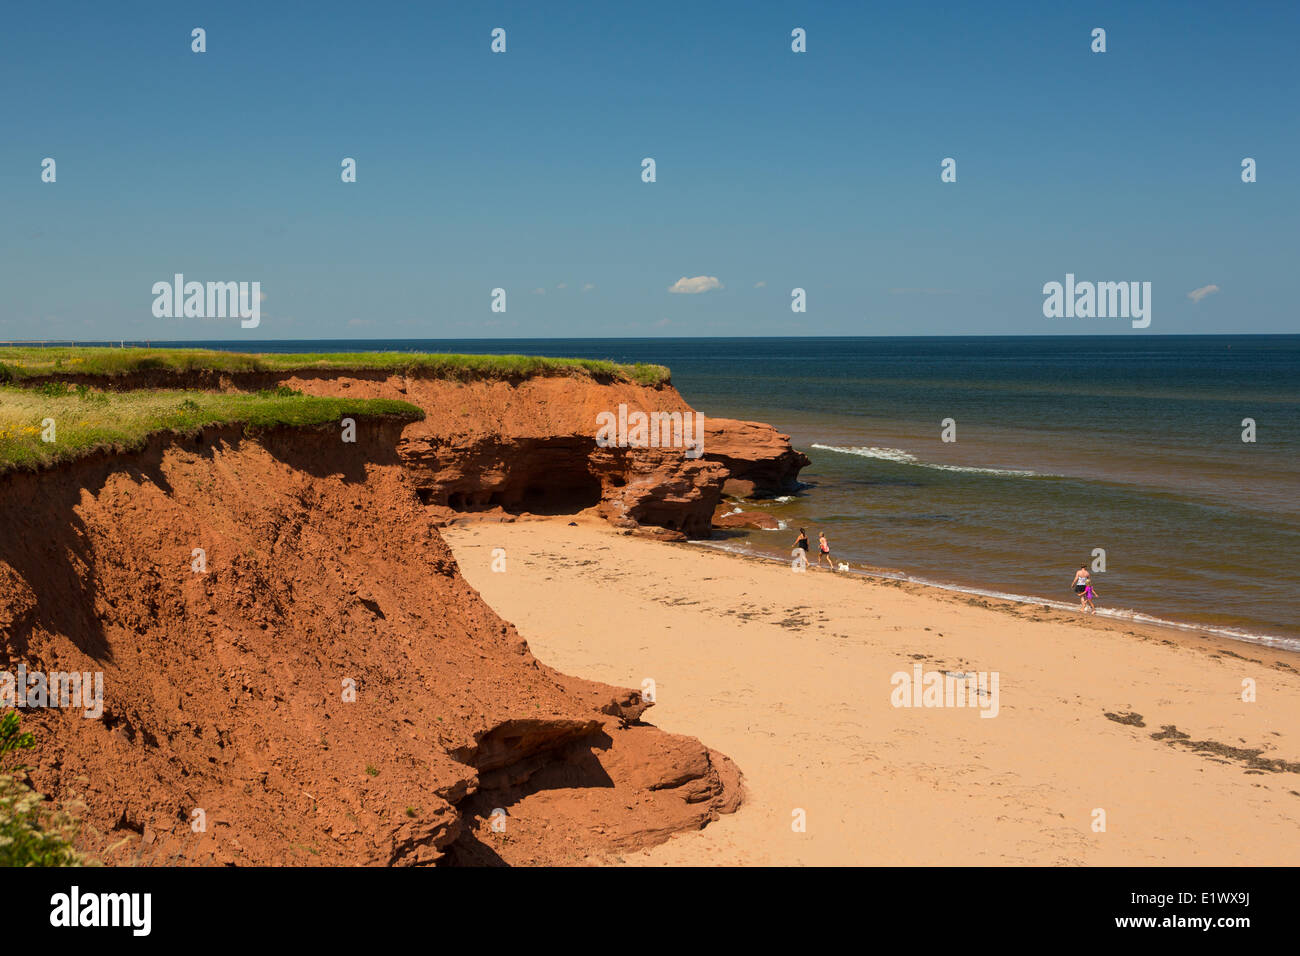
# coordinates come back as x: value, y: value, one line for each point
x: 668, y: 338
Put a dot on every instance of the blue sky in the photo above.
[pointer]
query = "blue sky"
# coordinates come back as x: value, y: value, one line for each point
x: 522, y: 170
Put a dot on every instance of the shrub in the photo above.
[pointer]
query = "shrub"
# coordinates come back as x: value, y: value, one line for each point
x: 12, y: 740
x: 31, y: 833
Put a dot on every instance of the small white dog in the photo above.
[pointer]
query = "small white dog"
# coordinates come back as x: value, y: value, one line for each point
x: 843, y: 566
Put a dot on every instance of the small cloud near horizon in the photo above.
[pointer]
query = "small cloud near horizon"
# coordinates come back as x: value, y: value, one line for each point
x: 588, y: 286
x: 562, y: 285
x: 695, y: 285
x: 539, y: 292
x: 1196, y: 295
x: 759, y: 285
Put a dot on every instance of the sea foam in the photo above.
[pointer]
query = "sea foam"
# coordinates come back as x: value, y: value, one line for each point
x: 907, y: 458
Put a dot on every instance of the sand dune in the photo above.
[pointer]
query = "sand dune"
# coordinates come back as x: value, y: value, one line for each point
x: 790, y: 676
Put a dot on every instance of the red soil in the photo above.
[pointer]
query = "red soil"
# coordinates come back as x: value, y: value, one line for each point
x: 224, y: 690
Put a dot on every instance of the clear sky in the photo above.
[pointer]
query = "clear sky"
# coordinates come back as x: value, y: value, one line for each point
x: 522, y: 170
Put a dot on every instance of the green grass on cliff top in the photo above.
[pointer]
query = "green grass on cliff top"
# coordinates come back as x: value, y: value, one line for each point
x: 87, y: 420
x: 20, y: 362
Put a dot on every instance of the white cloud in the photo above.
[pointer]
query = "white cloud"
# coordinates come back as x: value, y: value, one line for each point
x: 662, y: 322
x: 562, y: 285
x: 539, y: 292
x: 695, y: 285
x: 759, y: 285
x: 588, y: 286
x: 1196, y: 295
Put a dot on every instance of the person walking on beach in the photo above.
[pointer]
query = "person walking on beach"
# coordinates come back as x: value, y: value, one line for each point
x: 1088, y: 595
x: 800, y: 552
x: 825, y: 551
x: 1082, y: 581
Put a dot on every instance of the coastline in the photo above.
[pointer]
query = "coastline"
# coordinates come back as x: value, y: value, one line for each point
x: 790, y: 675
x: 795, y: 677
x: 1119, y: 617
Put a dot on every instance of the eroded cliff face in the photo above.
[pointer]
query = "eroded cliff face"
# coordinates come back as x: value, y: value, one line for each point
x: 759, y: 459
x: 531, y: 447
x: 226, y: 689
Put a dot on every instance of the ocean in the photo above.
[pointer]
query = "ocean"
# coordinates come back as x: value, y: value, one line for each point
x: 1067, y: 450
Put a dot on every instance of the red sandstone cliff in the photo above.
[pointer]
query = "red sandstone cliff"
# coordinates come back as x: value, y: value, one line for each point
x: 224, y: 690
x: 758, y: 458
x: 531, y: 447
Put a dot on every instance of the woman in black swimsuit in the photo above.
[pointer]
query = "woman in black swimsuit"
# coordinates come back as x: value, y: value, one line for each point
x: 803, y: 540
x: 1081, y: 581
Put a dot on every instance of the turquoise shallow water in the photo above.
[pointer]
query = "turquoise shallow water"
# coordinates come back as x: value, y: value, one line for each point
x: 1130, y: 443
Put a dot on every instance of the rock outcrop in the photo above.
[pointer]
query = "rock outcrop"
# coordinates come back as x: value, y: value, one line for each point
x: 531, y: 447
x: 756, y: 520
x: 759, y: 459
x: 322, y: 687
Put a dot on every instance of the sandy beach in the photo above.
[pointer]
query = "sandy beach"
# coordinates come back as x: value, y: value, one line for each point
x: 790, y: 676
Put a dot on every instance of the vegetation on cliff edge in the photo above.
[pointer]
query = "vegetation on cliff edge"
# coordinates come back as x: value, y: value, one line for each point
x: 25, y: 362
x: 57, y: 422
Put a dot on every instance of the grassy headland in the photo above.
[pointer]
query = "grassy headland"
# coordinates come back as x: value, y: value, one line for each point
x: 26, y: 362
x: 84, y: 420
x: 36, y: 387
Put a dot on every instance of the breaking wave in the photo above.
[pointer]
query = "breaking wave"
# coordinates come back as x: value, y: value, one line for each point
x: 901, y: 457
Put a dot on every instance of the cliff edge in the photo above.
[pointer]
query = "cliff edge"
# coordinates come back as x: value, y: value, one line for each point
x: 530, y: 447
x: 322, y: 687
